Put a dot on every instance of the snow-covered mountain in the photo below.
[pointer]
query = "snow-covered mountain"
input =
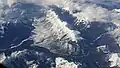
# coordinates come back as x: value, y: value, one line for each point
x: 60, y: 33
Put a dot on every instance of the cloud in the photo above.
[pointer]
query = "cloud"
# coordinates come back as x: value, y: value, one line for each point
x: 62, y: 63
x: 41, y: 1
x: 114, y: 60
x: 91, y: 10
x: 93, y: 13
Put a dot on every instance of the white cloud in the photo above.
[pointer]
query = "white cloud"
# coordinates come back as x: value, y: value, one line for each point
x: 10, y: 2
x: 62, y: 63
x: 2, y: 57
x: 114, y: 60
x: 93, y: 13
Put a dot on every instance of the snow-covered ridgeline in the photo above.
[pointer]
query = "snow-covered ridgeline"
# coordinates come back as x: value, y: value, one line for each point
x: 53, y: 34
